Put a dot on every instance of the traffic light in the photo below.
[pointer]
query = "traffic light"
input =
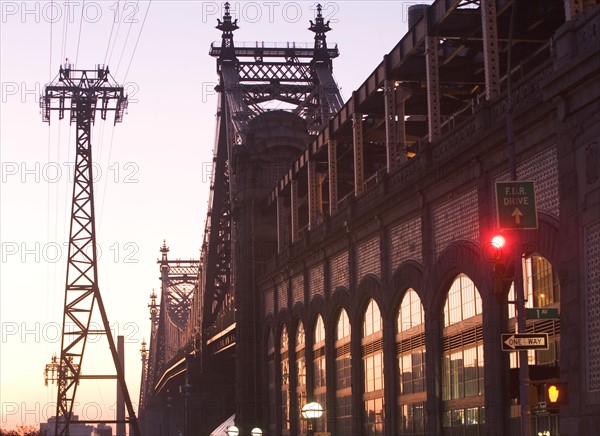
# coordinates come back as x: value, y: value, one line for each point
x: 503, y: 263
x: 556, y: 393
x: 498, y: 241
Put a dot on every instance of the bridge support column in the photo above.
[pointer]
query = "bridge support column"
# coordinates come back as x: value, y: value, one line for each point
x: 332, y: 169
x: 282, y: 224
x: 433, y: 88
x: 313, y: 197
x: 359, y: 174
x: 294, y: 209
x: 391, y: 119
x: 395, y: 129
x: 490, y: 49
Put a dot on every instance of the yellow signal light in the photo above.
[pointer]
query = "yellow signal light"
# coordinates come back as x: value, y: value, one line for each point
x: 556, y: 393
x: 553, y: 393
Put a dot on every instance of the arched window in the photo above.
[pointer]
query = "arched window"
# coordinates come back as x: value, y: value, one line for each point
x: 285, y: 380
x: 271, y: 378
x: 410, y: 346
x: 301, y: 374
x: 541, y: 291
x: 319, y: 370
x: 343, y: 385
x: 462, y: 375
x: 372, y: 357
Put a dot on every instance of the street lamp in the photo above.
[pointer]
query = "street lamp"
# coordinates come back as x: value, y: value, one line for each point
x: 256, y: 431
x: 311, y: 412
x: 232, y: 430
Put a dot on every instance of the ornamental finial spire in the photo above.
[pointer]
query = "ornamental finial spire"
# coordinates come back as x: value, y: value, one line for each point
x: 320, y: 27
x: 164, y: 250
x: 227, y: 27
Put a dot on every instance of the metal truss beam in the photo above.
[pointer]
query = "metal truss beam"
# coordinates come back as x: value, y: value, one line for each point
x: 280, y: 71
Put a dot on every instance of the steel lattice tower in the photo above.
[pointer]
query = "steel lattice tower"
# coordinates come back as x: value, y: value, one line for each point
x: 83, y: 92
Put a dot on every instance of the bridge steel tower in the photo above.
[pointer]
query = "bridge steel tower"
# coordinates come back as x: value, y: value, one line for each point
x: 255, y: 144
x: 272, y: 98
x: 83, y: 93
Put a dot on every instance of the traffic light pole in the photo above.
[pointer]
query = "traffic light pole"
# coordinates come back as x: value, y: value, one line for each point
x: 521, y: 327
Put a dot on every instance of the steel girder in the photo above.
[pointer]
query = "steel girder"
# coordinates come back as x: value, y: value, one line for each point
x: 216, y: 250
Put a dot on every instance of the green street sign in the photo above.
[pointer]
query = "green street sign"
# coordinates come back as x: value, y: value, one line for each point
x: 539, y: 313
x: 515, y: 205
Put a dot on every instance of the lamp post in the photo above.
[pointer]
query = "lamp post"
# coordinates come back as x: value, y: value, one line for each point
x: 256, y: 432
x: 311, y: 412
x: 232, y: 430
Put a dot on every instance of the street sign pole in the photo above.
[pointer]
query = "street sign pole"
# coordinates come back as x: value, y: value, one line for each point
x: 521, y: 327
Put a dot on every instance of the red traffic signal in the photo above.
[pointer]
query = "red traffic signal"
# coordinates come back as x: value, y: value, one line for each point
x: 503, y: 263
x: 556, y: 393
x: 498, y: 242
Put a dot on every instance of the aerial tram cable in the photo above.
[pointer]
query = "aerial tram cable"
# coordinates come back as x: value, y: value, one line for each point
x: 137, y: 41
x: 125, y: 43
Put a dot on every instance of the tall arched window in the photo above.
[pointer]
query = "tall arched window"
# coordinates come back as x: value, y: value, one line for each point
x: 372, y: 351
x: 541, y: 291
x: 319, y: 370
x: 271, y: 378
x: 301, y: 374
x: 462, y: 376
x: 343, y: 379
x: 285, y: 380
x: 410, y: 346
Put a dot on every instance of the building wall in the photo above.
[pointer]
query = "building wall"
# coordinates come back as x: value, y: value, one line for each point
x: 431, y: 221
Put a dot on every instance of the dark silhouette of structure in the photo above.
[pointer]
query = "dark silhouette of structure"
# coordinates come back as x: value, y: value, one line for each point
x: 83, y: 93
x: 347, y: 257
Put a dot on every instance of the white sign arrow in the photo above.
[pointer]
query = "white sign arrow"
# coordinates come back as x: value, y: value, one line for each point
x: 526, y: 341
x: 517, y: 214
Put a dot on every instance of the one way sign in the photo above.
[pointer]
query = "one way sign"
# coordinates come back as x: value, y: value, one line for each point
x: 524, y: 341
